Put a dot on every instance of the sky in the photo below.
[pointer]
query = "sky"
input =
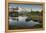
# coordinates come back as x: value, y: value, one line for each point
x: 34, y: 7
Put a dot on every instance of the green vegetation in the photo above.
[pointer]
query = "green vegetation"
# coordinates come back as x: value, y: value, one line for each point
x: 34, y: 15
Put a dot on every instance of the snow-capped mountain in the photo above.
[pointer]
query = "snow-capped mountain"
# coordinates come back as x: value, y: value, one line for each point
x: 22, y: 9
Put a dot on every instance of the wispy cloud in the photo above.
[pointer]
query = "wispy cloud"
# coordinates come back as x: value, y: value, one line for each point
x: 34, y: 7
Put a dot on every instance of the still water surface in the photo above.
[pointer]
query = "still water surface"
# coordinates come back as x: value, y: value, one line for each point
x: 21, y: 22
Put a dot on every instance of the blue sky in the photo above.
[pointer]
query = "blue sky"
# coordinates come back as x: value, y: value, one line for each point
x: 34, y: 7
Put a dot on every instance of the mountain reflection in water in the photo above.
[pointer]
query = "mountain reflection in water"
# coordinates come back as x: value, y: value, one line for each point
x: 21, y: 22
